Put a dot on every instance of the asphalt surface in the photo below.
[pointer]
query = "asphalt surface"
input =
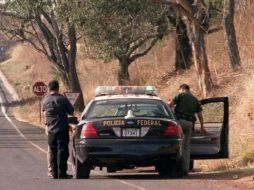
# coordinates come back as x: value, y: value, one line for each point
x: 23, y: 164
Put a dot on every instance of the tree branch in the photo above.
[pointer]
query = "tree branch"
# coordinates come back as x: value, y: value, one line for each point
x: 185, y: 7
x: 59, y: 40
x: 134, y: 57
x: 39, y: 39
x: 22, y: 37
x: 46, y: 16
x: 213, y: 30
x: 73, y: 43
x: 141, y: 42
x: 49, y: 37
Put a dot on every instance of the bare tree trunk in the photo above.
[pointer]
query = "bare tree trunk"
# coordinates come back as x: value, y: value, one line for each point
x: 230, y: 35
x: 75, y: 87
x: 194, y: 13
x: 67, y: 66
x: 123, y: 73
x: 205, y: 81
x: 183, y: 57
x: 71, y: 81
x: 73, y: 76
x: 196, y: 35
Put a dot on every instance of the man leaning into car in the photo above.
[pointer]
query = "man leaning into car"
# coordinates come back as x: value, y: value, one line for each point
x: 56, y: 108
x: 186, y: 106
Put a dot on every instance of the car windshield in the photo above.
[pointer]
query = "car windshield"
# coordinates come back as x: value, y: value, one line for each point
x: 120, y: 108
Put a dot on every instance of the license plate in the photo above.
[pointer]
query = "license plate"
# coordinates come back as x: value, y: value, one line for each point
x: 131, y: 132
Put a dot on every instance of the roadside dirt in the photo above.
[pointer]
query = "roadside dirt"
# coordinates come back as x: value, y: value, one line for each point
x: 239, y: 179
x: 231, y: 180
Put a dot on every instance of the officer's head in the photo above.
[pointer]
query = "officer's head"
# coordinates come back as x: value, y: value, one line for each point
x: 184, y: 88
x: 53, y: 86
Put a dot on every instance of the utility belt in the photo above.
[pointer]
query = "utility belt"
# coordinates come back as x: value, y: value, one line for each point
x: 185, y: 117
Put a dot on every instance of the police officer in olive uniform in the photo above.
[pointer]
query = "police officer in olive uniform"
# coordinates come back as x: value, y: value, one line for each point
x: 56, y: 108
x: 186, y: 106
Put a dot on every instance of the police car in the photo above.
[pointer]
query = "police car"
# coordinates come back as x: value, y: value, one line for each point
x: 129, y: 126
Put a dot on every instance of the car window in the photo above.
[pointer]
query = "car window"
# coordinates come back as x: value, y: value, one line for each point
x: 120, y: 107
x: 213, y: 112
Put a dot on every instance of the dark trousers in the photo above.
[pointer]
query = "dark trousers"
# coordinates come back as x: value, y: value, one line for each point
x: 58, y: 145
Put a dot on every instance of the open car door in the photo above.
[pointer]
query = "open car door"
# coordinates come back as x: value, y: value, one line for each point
x: 215, y: 143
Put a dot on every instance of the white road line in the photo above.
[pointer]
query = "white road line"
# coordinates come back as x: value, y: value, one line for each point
x: 16, y: 128
x: 132, y: 185
x: 45, y: 151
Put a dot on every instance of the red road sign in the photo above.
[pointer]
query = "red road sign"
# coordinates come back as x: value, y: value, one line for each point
x: 40, y: 88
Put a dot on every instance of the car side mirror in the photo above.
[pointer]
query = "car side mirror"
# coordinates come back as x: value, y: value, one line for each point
x: 73, y: 120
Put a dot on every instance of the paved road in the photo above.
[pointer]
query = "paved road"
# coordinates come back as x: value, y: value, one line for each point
x: 23, y: 164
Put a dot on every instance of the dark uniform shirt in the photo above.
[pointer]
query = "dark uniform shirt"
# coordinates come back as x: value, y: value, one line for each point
x: 186, y: 106
x: 57, y: 107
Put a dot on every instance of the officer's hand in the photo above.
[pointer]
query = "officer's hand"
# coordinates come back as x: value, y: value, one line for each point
x: 203, y: 131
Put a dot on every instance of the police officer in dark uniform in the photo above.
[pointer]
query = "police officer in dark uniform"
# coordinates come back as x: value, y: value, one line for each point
x: 56, y: 108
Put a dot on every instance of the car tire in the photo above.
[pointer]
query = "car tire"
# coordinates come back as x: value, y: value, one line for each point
x: 82, y: 170
x: 171, y: 168
x: 191, y: 166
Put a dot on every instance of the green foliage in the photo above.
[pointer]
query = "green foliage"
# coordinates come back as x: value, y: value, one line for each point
x: 215, y: 3
x: 65, y: 10
x: 61, y: 10
x: 215, y: 8
x: 113, y: 27
x: 28, y: 8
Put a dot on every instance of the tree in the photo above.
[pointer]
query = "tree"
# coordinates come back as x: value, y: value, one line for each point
x: 183, y: 55
x: 41, y: 24
x: 121, y: 29
x: 230, y: 35
x: 194, y: 13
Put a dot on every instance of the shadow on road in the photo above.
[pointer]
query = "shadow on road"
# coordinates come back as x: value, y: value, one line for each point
x: 10, y: 138
x: 225, y: 175
x: 152, y: 175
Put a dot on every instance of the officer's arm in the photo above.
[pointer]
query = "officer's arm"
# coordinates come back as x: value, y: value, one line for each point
x: 201, y: 120
x: 171, y: 103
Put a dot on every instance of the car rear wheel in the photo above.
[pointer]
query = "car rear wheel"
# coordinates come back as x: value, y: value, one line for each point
x: 82, y: 170
x: 191, y: 167
x: 171, y: 168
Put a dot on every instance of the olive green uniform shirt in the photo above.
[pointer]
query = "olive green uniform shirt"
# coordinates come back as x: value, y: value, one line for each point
x: 187, y: 106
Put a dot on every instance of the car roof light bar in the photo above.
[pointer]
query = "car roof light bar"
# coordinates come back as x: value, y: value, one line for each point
x: 116, y: 90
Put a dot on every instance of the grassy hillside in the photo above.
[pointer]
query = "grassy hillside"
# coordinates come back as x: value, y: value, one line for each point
x: 157, y: 68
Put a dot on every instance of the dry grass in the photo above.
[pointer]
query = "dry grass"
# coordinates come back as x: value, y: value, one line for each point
x: 23, y: 69
x: 157, y: 68
x: 238, y: 86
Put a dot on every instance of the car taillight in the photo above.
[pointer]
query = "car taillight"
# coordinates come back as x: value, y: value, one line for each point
x: 172, y: 130
x: 88, y: 130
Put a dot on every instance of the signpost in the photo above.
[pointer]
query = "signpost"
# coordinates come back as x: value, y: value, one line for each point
x: 40, y: 89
